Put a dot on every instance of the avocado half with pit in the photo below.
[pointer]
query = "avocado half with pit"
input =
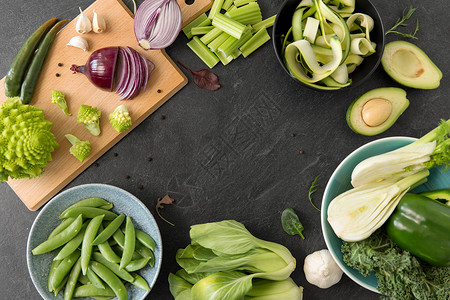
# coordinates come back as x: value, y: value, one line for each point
x: 410, y: 66
x: 376, y: 110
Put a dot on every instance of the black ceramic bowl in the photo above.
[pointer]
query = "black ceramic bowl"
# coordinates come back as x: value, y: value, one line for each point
x: 283, y: 22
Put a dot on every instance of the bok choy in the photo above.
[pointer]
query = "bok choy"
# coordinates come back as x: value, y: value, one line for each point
x: 225, y: 261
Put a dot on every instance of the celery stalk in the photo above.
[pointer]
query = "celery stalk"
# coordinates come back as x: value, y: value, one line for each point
x: 264, y: 23
x: 230, y: 26
x: 201, y: 20
x: 232, y: 44
x: 200, y: 30
x: 227, y: 4
x: 247, y: 14
x: 207, y: 38
x: 223, y: 58
x: 203, y: 52
x: 215, y: 44
x: 256, y: 41
x: 216, y: 7
x: 242, y: 2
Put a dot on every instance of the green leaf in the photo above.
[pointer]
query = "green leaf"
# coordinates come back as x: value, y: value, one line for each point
x: 290, y: 222
x: 179, y: 288
x: 228, y: 285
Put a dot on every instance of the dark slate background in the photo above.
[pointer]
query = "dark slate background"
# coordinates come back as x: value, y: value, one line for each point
x: 230, y: 154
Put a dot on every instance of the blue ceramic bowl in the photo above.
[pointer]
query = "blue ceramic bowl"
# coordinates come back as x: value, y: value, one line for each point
x: 47, y: 220
x: 340, y: 182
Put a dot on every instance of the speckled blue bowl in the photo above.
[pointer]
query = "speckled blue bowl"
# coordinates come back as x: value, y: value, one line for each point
x: 340, y: 182
x: 47, y: 220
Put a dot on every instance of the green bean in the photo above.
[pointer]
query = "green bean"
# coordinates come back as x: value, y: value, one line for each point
x: 88, y: 290
x: 53, y: 267
x: 71, y: 245
x: 72, y: 280
x: 145, y: 239
x: 108, y: 252
x: 63, y: 225
x: 94, y: 279
x: 111, y: 279
x: 113, y: 267
x: 60, y: 239
x: 63, y: 269
x: 129, y: 245
x: 88, y: 202
x: 137, y: 264
x: 140, y: 282
x: 86, y: 245
x: 88, y: 212
x: 109, y: 230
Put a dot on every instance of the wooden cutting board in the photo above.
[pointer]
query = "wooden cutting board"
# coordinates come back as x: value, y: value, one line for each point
x: 165, y: 80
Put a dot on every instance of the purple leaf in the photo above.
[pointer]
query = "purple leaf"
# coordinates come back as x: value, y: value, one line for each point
x: 204, y: 78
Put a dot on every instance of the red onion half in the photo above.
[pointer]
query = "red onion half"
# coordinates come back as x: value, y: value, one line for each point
x: 157, y: 23
x: 123, y: 70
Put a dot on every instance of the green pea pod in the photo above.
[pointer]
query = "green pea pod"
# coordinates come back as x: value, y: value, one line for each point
x: 88, y: 202
x: 86, y: 245
x: 145, y: 239
x: 83, y: 279
x: 109, y: 230
x: 88, y: 213
x: 19, y: 66
x: 119, y: 237
x: 60, y: 239
x: 145, y: 252
x: 421, y: 226
x: 60, y: 286
x: 72, y: 245
x: 122, y: 273
x: 29, y: 83
x: 72, y: 280
x: 88, y: 290
x: 53, y: 268
x: 111, y: 279
x: 63, y: 269
x: 137, y: 264
x: 140, y: 282
x: 130, y: 242
x: 108, y: 252
x: 94, y: 279
x: 107, y: 206
x: 63, y: 225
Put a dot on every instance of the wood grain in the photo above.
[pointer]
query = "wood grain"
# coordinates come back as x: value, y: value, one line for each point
x: 166, y: 77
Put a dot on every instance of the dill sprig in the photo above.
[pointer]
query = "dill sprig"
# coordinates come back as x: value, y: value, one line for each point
x: 312, y: 190
x: 401, y: 22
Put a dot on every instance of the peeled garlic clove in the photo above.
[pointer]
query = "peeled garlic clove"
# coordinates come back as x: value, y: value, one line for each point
x: 79, y: 42
x: 83, y: 23
x: 98, y: 23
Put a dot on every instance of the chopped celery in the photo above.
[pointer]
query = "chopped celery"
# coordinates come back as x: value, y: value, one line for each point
x: 207, y: 38
x: 201, y: 30
x: 223, y: 58
x: 264, y: 23
x: 201, y: 20
x: 256, y: 41
x: 227, y: 4
x: 230, y: 26
x: 203, y: 52
x: 242, y: 2
x: 232, y: 7
x: 232, y: 44
x: 216, y: 7
x: 247, y: 14
x: 215, y: 44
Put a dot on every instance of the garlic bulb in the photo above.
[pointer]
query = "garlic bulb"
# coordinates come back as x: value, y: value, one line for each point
x: 79, y: 42
x: 83, y: 23
x: 98, y: 23
x: 321, y: 269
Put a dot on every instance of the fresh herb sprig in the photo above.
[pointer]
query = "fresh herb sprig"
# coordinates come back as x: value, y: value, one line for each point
x: 312, y: 190
x: 401, y: 22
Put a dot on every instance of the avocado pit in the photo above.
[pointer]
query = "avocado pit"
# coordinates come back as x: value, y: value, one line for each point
x: 376, y: 111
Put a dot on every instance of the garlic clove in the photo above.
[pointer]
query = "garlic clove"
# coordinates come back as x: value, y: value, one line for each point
x: 98, y: 23
x: 79, y: 42
x: 83, y: 23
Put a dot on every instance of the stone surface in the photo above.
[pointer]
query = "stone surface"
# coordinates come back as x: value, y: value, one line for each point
x: 230, y: 154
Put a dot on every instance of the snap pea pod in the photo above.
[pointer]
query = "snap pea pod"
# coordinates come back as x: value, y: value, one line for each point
x: 83, y: 279
x: 137, y: 264
x: 60, y: 286
x: 129, y: 245
x: 94, y: 279
x: 71, y: 245
x: 60, y: 239
x: 63, y: 225
x: 111, y: 279
x: 145, y: 239
x: 108, y: 252
x: 145, y: 252
x: 29, y: 83
x: 140, y: 282
x: 63, y: 269
x: 88, y: 290
x: 122, y: 273
x: 86, y: 245
x: 53, y: 267
x: 19, y: 66
x: 109, y: 230
x: 72, y: 280
x: 88, y: 202
x: 107, y: 206
x: 88, y: 212
x: 119, y: 237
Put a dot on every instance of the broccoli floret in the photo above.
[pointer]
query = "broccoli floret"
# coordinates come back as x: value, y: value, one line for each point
x: 79, y: 149
x: 90, y: 117
x: 59, y: 99
x: 120, y: 118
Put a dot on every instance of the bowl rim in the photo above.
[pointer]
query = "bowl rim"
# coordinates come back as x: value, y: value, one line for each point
x: 381, y: 43
x: 323, y: 217
x: 158, y: 262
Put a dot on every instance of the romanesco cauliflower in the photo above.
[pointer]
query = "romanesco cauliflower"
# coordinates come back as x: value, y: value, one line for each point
x: 59, y: 99
x: 90, y: 117
x: 120, y: 118
x: 80, y: 149
x: 26, y: 142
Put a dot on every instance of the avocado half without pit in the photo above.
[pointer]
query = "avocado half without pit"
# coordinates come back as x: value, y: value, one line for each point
x: 376, y: 110
x: 410, y: 66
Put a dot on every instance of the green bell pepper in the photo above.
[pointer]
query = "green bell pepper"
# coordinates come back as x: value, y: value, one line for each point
x: 421, y: 225
x: 440, y: 195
